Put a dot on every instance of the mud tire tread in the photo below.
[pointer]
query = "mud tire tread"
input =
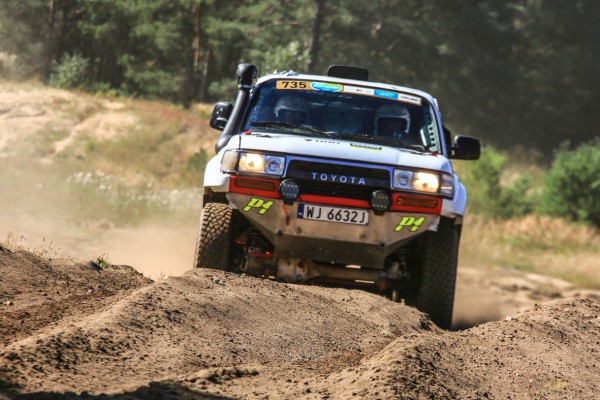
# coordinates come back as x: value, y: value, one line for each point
x: 438, y: 273
x: 215, y: 238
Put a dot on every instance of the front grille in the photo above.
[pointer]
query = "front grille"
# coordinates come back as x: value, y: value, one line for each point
x: 338, y: 180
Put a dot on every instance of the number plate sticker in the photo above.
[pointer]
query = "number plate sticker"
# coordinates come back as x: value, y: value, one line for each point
x: 333, y: 214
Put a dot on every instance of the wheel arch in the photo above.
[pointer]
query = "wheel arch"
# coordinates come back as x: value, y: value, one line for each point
x: 455, y: 208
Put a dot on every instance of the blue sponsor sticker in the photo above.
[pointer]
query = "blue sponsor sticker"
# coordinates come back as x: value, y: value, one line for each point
x: 326, y: 87
x: 386, y: 94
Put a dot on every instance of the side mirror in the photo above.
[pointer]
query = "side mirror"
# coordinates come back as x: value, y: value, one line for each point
x: 465, y: 148
x: 220, y: 115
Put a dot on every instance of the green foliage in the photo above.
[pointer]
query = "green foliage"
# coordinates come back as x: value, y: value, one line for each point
x: 21, y: 42
x: 71, y: 72
x: 104, y: 89
x: 489, y: 195
x: 280, y: 58
x: 501, y: 70
x: 572, y: 186
x: 197, y: 162
x: 8, y: 65
x: 224, y: 89
x: 516, y: 199
x: 284, y: 58
x: 101, y: 262
x: 194, y: 169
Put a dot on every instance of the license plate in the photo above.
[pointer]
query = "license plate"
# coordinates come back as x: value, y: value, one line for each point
x: 333, y: 214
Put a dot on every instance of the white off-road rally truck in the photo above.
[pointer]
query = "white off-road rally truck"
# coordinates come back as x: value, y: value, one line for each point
x: 336, y: 180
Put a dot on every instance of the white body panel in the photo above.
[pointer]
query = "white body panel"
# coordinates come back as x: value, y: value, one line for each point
x: 342, y: 151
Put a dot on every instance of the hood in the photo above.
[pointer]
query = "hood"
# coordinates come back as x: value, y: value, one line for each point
x: 340, y: 149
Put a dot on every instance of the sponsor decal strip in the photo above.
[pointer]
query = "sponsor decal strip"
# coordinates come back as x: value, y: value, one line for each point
x: 336, y: 87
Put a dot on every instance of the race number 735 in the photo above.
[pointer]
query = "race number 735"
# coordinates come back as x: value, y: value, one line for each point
x: 292, y: 85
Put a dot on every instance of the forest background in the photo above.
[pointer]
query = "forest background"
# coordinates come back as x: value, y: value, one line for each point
x: 519, y: 74
x: 516, y: 71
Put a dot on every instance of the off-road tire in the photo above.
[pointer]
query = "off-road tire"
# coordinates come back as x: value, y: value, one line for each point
x: 438, y: 262
x: 215, y: 240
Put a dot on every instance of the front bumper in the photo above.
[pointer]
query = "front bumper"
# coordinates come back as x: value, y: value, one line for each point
x: 325, y: 241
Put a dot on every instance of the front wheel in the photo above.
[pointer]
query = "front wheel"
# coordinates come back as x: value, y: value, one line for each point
x: 215, y: 246
x: 438, y: 262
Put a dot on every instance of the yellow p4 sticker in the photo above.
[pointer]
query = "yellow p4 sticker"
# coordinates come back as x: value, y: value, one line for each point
x: 410, y: 222
x: 260, y: 204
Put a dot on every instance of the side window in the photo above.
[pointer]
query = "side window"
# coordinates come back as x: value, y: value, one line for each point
x: 429, y: 131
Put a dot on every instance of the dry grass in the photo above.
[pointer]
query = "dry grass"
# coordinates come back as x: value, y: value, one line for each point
x: 45, y: 249
x: 157, y: 149
x: 544, y: 245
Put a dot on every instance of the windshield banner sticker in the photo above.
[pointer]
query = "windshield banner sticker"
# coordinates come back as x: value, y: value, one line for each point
x: 359, y: 90
x: 326, y: 87
x: 409, y: 99
x: 386, y: 94
x: 336, y: 87
x: 366, y: 146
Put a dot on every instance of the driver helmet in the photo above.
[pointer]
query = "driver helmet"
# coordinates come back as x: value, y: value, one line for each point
x: 291, y: 109
x: 392, y: 120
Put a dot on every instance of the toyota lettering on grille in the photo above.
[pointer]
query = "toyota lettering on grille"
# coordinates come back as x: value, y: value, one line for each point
x: 334, y: 178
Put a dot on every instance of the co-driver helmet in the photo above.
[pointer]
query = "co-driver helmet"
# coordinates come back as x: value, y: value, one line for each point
x: 392, y: 119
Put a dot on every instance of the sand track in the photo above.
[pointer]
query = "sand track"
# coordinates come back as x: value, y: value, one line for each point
x: 111, y: 333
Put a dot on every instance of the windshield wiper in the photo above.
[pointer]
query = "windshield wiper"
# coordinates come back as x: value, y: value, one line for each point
x: 280, y: 124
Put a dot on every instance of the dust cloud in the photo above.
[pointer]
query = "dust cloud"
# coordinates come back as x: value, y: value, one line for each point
x: 39, y: 215
x: 41, y: 212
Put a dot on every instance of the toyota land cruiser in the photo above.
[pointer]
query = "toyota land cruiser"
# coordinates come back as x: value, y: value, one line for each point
x: 336, y: 180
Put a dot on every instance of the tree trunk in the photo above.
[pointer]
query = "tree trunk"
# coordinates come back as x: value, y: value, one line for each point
x: 50, y: 43
x: 189, y: 90
x: 196, y: 62
x: 208, y: 58
x: 206, y: 74
x: 313, y: 54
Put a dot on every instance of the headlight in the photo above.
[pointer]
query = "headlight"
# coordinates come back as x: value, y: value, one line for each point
x: 274, y: 165
x: 424, y: 182
x: 253, y: 163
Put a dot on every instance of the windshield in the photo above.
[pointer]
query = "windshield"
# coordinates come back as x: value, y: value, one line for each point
x: 355, y: 113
